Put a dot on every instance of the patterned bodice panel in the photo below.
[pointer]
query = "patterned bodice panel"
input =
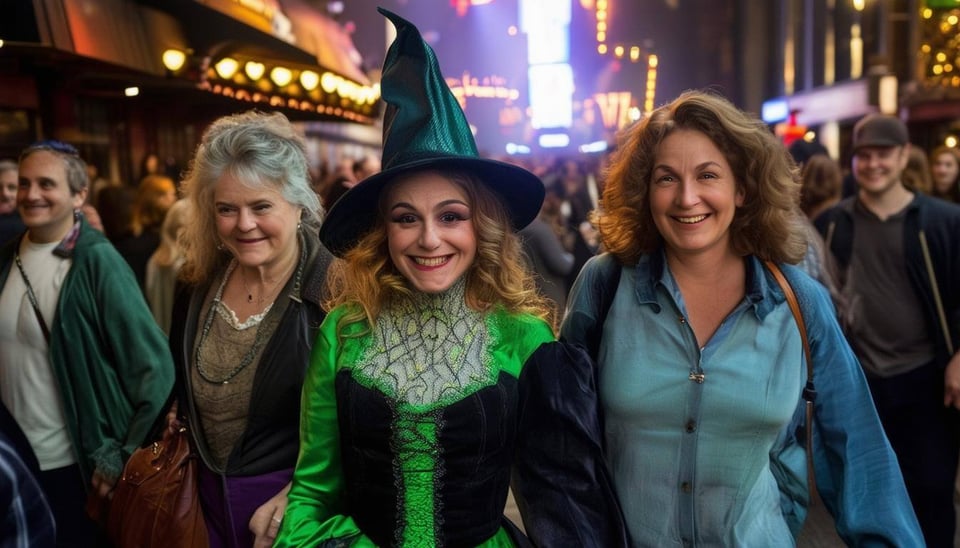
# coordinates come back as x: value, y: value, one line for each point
x: 436, y: 477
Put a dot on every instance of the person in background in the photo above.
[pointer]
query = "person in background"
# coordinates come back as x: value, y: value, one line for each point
x: 548, y: 259
x: 155, y: 195
x: 84, y: 369
x: 945, y: 171
x: 435, y: 375
x: 821, y: 179
x: 364, y: 167
x: 898, y: 263
x: 10, y: 224
x: 115, y: 206
x: 701, y: 364
x: 165, y: 263
x: 242, y: 328
x: 916, y: 175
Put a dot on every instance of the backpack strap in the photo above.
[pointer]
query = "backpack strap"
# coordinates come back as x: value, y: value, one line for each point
x: 809, y: 392
x: 609, y: 280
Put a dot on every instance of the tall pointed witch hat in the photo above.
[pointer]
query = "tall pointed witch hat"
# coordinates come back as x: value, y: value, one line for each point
x: 423, y: 128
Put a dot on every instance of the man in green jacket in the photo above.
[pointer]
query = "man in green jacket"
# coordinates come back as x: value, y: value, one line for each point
x: 84, y: 368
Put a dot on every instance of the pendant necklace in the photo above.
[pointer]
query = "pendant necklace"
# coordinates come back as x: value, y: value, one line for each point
x: 260, y: 299
x: 208, y: 322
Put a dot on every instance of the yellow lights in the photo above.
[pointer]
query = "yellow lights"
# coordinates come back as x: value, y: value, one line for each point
x: 281, y: 76
x: 618, y: 51
x: 634, y: 54
x: 938, y: 49
x: 858, y: 5
x: 309, y: 80
x: 601, y: 37
x: 651, y: 92
x: 602, y: 49
x: 950, y: 141
x: 173, y: 59
x: 254, y: 70
x: 226, y: 67
x: 131, y: 91
x: 1, y: 43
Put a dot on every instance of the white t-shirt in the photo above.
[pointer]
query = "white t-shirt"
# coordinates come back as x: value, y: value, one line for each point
x: 28, y: 386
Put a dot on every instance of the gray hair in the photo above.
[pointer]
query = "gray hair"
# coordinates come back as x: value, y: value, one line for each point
x: 75, y: 167
x: 262, y: 150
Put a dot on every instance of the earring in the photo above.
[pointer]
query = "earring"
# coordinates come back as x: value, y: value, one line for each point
x: 220, y: 246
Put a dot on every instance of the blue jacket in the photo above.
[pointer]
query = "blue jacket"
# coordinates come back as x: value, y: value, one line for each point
x: 727, y: 499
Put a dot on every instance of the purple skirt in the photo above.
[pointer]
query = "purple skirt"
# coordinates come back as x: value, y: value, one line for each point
x: 229, y: 502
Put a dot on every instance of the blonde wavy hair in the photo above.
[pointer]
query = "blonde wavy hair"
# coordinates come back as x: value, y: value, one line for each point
x: 367, y: 278
x: 769, y: 224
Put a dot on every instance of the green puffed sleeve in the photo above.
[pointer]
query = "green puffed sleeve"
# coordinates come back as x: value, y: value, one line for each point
x: 517, y: 336
x: 313, y: 516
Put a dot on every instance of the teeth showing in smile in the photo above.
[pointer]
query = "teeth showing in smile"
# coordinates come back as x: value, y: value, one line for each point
x: 691, y: 220
x: 430, y: 261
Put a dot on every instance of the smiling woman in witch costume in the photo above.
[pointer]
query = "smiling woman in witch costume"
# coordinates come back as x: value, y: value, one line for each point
x: 436, y: 374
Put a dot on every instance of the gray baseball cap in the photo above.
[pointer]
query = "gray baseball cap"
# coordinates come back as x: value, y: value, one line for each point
x: 880, y: 130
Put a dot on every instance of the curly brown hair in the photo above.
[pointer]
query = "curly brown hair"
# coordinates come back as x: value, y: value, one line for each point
x: 499, y: 276
x: 769, y: 224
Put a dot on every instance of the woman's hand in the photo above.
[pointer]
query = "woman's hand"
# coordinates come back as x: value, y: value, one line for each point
x: 173, y: 424
x: 102, y: 485
x: 265, y: 522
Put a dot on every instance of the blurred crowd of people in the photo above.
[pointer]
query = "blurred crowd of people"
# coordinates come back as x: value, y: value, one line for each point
x: 201, y: 297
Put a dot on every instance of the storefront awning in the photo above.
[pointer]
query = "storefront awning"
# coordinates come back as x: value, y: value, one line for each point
x: 126, y: 40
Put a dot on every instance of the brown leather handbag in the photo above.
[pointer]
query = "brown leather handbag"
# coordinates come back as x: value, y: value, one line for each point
x: 156, y: 501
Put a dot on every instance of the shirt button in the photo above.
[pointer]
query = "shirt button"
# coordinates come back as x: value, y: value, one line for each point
x: 685, y: 487
x: 691, y: 426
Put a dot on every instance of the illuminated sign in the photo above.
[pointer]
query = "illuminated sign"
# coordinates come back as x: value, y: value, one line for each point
x: 488, y: 87
x: 551, y: 95
x: 614, y: 108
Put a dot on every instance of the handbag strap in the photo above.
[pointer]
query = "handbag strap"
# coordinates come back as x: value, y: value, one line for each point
x: 809, y: 392
x: 33, y: 297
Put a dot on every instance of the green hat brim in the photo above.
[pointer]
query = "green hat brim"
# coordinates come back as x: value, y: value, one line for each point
x: 355, y: 213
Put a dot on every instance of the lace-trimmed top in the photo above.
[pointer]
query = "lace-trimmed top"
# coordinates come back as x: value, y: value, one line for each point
x: 429, y: 349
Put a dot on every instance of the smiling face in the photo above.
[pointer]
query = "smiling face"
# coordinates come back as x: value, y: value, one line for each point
x: 693, y: 194
x: 430, y: 234
x: 256, y: 225
x: 878, y: 170
x: 945, y: 169
x: 44, y: 198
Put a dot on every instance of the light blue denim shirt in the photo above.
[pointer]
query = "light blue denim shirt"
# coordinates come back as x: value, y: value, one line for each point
x: 699, y: 440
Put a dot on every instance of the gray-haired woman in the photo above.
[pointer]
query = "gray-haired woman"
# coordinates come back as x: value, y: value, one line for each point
x: 243, y: 327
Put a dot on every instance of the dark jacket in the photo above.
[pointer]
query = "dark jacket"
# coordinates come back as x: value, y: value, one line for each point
x: 931, y: 222
x: 271, y: 440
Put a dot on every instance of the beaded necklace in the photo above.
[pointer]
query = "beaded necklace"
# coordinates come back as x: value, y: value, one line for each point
x: 258, y: 338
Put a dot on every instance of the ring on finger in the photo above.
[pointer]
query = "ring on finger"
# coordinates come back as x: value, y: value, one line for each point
x: 276, y: 519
